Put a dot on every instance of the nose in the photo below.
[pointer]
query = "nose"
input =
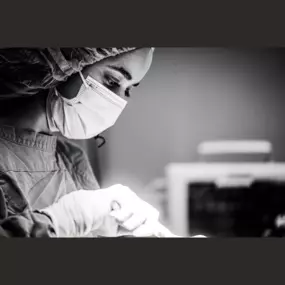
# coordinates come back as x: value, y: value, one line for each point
x: 122, y: 93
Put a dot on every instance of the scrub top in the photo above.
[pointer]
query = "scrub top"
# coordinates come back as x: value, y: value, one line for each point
x: 35, y: 171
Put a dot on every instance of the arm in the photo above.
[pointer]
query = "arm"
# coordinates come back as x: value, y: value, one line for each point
x: 23, y: 224
x: 16, y: 217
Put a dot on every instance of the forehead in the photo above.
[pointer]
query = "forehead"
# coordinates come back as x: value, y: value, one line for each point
x: 136, y: 62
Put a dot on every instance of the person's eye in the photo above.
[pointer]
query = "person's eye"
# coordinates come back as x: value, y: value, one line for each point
x: 111, y: 82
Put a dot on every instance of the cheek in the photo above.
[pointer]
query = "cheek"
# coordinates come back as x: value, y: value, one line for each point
x: 95, y: 72
x: 119, y: 91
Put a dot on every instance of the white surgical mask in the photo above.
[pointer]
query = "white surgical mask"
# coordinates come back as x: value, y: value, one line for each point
x: 92, y: 111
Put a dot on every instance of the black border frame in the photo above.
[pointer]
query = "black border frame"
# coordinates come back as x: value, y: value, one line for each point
x: 168, y: 24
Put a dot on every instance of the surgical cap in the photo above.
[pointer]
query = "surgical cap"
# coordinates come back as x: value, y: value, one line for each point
x: 27, y: 71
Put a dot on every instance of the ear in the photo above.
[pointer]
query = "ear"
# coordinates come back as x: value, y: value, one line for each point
x: 70, y: 88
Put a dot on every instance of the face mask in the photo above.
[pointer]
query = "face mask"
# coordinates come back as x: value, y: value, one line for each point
x: 92, y: 111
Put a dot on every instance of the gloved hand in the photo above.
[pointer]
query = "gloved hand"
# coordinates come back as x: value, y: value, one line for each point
x: 105, y: 211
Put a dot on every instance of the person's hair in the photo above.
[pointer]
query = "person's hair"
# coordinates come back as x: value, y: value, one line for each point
x: 28, y: 71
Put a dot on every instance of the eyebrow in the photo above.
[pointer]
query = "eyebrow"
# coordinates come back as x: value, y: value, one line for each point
x: 122, y: 70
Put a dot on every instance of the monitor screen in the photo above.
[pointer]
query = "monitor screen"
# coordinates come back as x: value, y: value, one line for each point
x: 234, y: 211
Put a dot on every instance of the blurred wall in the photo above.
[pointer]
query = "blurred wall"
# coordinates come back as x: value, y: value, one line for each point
x: 191, y: 95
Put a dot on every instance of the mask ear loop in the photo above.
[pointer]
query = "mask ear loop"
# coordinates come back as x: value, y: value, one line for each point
x: 83, y: 80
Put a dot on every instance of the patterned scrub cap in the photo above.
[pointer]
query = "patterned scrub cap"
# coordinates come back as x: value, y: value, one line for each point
x: 27, y: 71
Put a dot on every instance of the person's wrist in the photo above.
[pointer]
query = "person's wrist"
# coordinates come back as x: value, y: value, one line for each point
x: 53, y: 220
x: 63, y: 219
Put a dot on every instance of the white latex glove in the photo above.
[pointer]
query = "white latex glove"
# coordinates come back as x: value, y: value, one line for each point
x: 79, y: 213
x: 150, y: 228
x: 135, y: 216
x: 280, y: 221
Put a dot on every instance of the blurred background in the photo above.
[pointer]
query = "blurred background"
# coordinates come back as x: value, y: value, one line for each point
x: 191, y: 95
